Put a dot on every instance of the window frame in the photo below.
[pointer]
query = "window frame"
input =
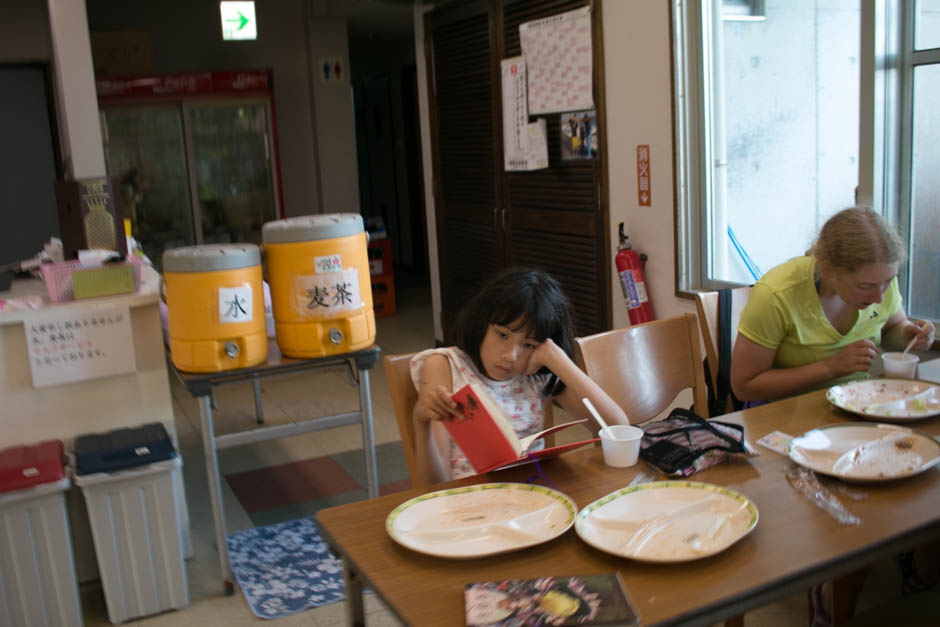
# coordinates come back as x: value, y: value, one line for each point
x: 887, y: 59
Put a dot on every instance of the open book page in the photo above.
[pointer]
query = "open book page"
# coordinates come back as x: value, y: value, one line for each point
x: 530, y: 440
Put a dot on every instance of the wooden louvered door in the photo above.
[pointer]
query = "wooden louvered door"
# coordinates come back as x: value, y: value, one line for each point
x: 553, y: 219
x: 466, y: 183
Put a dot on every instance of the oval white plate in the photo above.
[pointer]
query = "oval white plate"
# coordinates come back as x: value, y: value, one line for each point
x: 862, y: 451
x: 667, y: 521
x: 887, y: 400
x: 480, y: 520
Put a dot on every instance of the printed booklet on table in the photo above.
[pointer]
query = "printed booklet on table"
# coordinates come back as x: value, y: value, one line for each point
x: 486, y: 437
x: 581, y: 600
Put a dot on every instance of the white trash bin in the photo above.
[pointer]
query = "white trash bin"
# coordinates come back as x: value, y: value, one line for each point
x: 135, y: 523
x: 38, y: 586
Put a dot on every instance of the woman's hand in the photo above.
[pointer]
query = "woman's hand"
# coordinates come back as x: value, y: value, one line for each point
x: 923, y: 330
x: 856, y: 357
x: 436, y: 402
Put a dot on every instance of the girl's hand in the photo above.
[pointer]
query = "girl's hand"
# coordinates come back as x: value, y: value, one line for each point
x: 544, y: 355
x: 435, y: 403
x: 923, y: 330
x: 856, y: 357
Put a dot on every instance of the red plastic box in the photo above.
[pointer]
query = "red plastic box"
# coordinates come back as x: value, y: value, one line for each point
x: 23, y: 467
x: 380, y: 257
x: 383, y: 295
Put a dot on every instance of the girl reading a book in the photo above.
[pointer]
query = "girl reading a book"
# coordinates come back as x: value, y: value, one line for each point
x: 514, y: 340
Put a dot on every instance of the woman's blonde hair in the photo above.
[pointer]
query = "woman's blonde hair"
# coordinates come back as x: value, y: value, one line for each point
x: 856, y: 237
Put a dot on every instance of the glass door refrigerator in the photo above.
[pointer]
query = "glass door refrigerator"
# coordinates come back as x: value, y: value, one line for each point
x: 195, y: 154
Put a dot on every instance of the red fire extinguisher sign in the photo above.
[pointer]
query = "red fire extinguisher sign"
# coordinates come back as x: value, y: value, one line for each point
x: 644, y: 191
x: 630, y: 270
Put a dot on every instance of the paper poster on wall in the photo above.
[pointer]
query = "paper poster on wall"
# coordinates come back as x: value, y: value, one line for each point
x: 559, y: 64
x: 78, y: 344
x: 537, y: 149
x: 515, y: 113
x: 524, y: 145
x: 579, y: 136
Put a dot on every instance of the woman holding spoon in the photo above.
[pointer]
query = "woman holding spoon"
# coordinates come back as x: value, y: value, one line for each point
x: 820, y: 319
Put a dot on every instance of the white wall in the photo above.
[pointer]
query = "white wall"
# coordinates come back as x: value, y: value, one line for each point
x: 333, y: 107
x: 638, y: 86
x: 76, y: 100
x: 426, y: 161
x: 24, y: 31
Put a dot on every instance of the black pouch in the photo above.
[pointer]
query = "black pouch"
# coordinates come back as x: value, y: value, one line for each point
x: 684, y: 442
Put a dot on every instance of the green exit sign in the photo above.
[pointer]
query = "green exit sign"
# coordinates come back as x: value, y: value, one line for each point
x: 238, y: 20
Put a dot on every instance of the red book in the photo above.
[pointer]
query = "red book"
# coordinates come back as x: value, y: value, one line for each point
x: 486, y: 437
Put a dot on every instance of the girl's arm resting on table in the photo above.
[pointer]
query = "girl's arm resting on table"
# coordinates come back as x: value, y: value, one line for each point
x: 753, y: 377
x: 434, y: 402
x: 577, y: 385
x: 899, y: 329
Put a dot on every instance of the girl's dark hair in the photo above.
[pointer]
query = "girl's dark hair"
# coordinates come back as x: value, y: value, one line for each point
x: 518, y: 298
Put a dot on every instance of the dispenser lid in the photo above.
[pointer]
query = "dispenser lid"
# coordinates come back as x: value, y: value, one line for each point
x: 211, y: 257
x: 314, y: 227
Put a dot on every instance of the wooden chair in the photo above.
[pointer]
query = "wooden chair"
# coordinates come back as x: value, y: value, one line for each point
x: 643, y: 368
x: 404, y: 396
x: 706, y: 303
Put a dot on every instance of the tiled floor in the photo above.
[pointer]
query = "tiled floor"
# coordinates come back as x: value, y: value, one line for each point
x: 303, y: 395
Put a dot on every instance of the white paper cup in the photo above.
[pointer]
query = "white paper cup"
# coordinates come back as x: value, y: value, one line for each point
x: 899, y: 365
x: 621, y: 445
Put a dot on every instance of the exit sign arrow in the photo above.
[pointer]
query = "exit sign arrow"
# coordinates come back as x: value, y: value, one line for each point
x: 241, y: 20
x: 238, y: 20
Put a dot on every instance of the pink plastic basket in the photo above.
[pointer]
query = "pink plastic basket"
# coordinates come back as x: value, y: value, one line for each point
x: 58, y: 278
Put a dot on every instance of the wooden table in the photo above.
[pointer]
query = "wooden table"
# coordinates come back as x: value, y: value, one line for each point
x: 357, y: 364
x: 794, y: 545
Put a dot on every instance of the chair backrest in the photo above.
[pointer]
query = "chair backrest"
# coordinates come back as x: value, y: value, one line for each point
x: 404, y: 396
x: 645, y: 367
x: 706, y: 303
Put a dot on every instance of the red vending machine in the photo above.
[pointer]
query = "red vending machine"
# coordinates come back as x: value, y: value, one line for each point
x: 195, y: 156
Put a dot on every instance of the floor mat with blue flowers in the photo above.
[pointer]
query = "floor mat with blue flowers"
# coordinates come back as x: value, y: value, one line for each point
x: 285, y: 568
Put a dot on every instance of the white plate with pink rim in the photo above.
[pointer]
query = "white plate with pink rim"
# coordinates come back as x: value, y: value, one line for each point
x: 667, y: 521
x: 887, y: 400
x: 480, y: 520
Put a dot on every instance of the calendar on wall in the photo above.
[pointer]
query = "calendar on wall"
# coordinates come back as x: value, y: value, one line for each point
x: 558, y: 55
x: 79, y: 343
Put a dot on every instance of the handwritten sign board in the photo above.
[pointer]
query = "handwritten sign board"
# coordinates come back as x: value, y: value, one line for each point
x: 235, y: 304
x: 327, y: 294
x: 78, y: 344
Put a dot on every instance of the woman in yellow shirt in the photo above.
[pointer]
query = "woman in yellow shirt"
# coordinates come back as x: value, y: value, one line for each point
x: 818, y: 320
x: 821, y: 319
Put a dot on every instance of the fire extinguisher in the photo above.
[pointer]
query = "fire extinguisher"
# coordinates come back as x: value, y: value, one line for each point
x: 630, y: 268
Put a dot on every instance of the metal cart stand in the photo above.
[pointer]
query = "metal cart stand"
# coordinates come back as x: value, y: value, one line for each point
x: 357, y: 364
